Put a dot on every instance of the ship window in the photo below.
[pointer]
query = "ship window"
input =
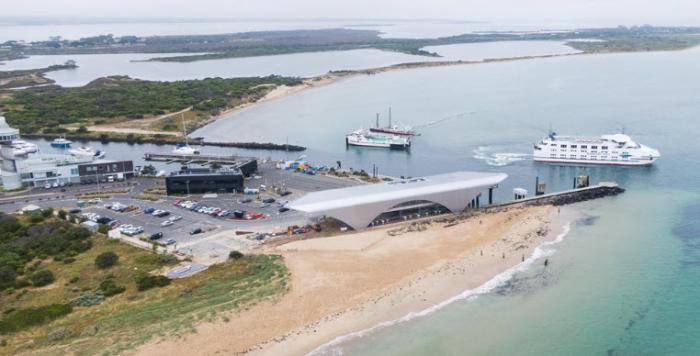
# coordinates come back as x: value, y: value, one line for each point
x: 572, y: 156
x: 562, y: 156
x: 553, y: 155
x: 604, y: 147
x: 573, y: 146
x: 563, y: 146
x: 583, y: 147
x: 594, y: 147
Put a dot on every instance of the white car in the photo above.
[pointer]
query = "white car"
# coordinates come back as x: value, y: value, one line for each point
x: 167, y: 223
x: 175, y: 218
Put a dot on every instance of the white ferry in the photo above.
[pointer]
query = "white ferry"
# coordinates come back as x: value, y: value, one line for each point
x: 618, y: 149
x: 366, y: 138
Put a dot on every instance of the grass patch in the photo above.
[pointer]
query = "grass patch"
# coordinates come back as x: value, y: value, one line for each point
x: 130, y: 317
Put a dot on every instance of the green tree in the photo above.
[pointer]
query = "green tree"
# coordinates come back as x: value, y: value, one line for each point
x: 82, y: 129
x: 8, y: 275
x: 41, y: 278
x: 106, y: 259
x: 148, y: 170
x: 235, y: 255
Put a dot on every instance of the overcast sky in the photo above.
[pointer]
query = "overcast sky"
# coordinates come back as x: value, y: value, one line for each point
x: 618, y: 11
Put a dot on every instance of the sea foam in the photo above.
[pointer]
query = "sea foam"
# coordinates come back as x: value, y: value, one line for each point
x: 498, y: 159
x: 543, y: 250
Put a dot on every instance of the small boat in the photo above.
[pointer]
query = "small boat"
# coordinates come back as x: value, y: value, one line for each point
x: 366, y: 138
x: 61, y: 142
x: 24, y: 146
x: 85, y: 151
x: 185, y: 149
x: 399, y: 130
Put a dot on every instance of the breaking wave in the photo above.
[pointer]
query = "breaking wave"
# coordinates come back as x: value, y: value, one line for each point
x: 498, y: 159
x: 544, y: 250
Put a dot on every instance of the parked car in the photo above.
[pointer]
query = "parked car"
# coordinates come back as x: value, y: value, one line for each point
x: 47, y: 186
x: 245, y: 201
x: 285, y: 193
x: 149, y: 210
x: 166, y: 223
x: 283, y: 209
x: 268, y: 200
x: 175, y: 218
x: 156, y: 236
x: 239, y: 214
x: 74, y: 211
x: 196, y: 231
x: 170, y: 241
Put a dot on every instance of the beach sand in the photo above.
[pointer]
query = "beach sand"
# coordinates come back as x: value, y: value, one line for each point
x: 352, y: 282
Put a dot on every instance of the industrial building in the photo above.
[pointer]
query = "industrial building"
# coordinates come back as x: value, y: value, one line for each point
x: 358, y: 206
x: 197, y: 181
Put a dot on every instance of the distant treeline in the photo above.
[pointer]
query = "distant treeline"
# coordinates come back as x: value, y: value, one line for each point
x: 248, y: 44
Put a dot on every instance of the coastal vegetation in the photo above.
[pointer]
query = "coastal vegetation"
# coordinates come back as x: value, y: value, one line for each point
x: 49, y: 109
x: 90, y: 307
x: 249, y: 44
x: 30, y: 77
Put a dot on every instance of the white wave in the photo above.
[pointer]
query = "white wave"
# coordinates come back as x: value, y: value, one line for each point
x: 498, y: 159
x: 333, y: 347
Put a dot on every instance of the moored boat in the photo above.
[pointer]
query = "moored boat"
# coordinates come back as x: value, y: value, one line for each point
x: 61, y: 142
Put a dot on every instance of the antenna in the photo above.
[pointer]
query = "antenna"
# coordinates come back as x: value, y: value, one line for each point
x: 377, y: 120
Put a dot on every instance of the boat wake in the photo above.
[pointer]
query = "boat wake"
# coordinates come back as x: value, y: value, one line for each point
x: 544, y: 250
x: 498, y: 159
x: 441, y: 120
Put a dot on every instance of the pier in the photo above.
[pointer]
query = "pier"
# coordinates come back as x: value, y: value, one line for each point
x: 570, y: 196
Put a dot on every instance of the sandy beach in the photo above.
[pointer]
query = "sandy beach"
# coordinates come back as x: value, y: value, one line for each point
x: 348, y: 283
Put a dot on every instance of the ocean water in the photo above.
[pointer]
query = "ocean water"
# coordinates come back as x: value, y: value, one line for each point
x: 93, y: 66
x: 623, y: 281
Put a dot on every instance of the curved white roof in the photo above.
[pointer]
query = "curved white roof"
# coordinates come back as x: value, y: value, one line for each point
x: 5, y: 129
x: 357, y: 206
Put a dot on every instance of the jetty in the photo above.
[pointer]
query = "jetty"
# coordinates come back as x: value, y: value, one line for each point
x: 603, y: 189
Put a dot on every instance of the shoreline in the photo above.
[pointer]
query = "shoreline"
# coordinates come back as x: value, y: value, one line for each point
x: 364, y: 282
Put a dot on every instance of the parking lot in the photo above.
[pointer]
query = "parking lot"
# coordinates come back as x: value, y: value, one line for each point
x: 219, y: 235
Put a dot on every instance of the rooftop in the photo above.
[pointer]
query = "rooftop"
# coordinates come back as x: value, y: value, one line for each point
x: 405, y: 190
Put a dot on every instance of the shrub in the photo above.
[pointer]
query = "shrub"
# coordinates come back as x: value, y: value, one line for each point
x: 47, y: 212
x: 82, y: 129
x: 103, y: 229
x: 41, y: 278
x: 146, y: 281
x: 109, y: 288
x: 68, y: 260
x: 167, y: 259
x: 89, y: 298
x: 74, y: 279
x: 8, y: 275
x: 24, y: 318
x: 106, y: 259
x: 62, y: 214
x: 235, y: 255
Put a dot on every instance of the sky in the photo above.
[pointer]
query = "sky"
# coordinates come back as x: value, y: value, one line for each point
x: 615, y: 11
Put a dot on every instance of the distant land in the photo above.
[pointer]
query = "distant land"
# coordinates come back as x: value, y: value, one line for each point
x: 250, y: 44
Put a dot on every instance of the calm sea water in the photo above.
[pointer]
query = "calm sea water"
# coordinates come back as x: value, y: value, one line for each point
x: 93, y: 66
x: 624, y: 281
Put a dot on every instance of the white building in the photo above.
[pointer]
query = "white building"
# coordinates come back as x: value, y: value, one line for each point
x: 358, y: 206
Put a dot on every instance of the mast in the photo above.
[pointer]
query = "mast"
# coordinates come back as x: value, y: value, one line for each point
x: 184, y: 131
x: 377, y: 124
x: 390, y: 116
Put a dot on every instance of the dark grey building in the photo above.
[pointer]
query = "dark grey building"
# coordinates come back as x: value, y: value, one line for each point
x: 198, y: 181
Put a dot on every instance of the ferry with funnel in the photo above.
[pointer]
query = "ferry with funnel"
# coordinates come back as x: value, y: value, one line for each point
x: 617, y: 149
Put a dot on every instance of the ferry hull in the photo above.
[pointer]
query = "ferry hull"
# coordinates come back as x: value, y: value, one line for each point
x: 593, y: 163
